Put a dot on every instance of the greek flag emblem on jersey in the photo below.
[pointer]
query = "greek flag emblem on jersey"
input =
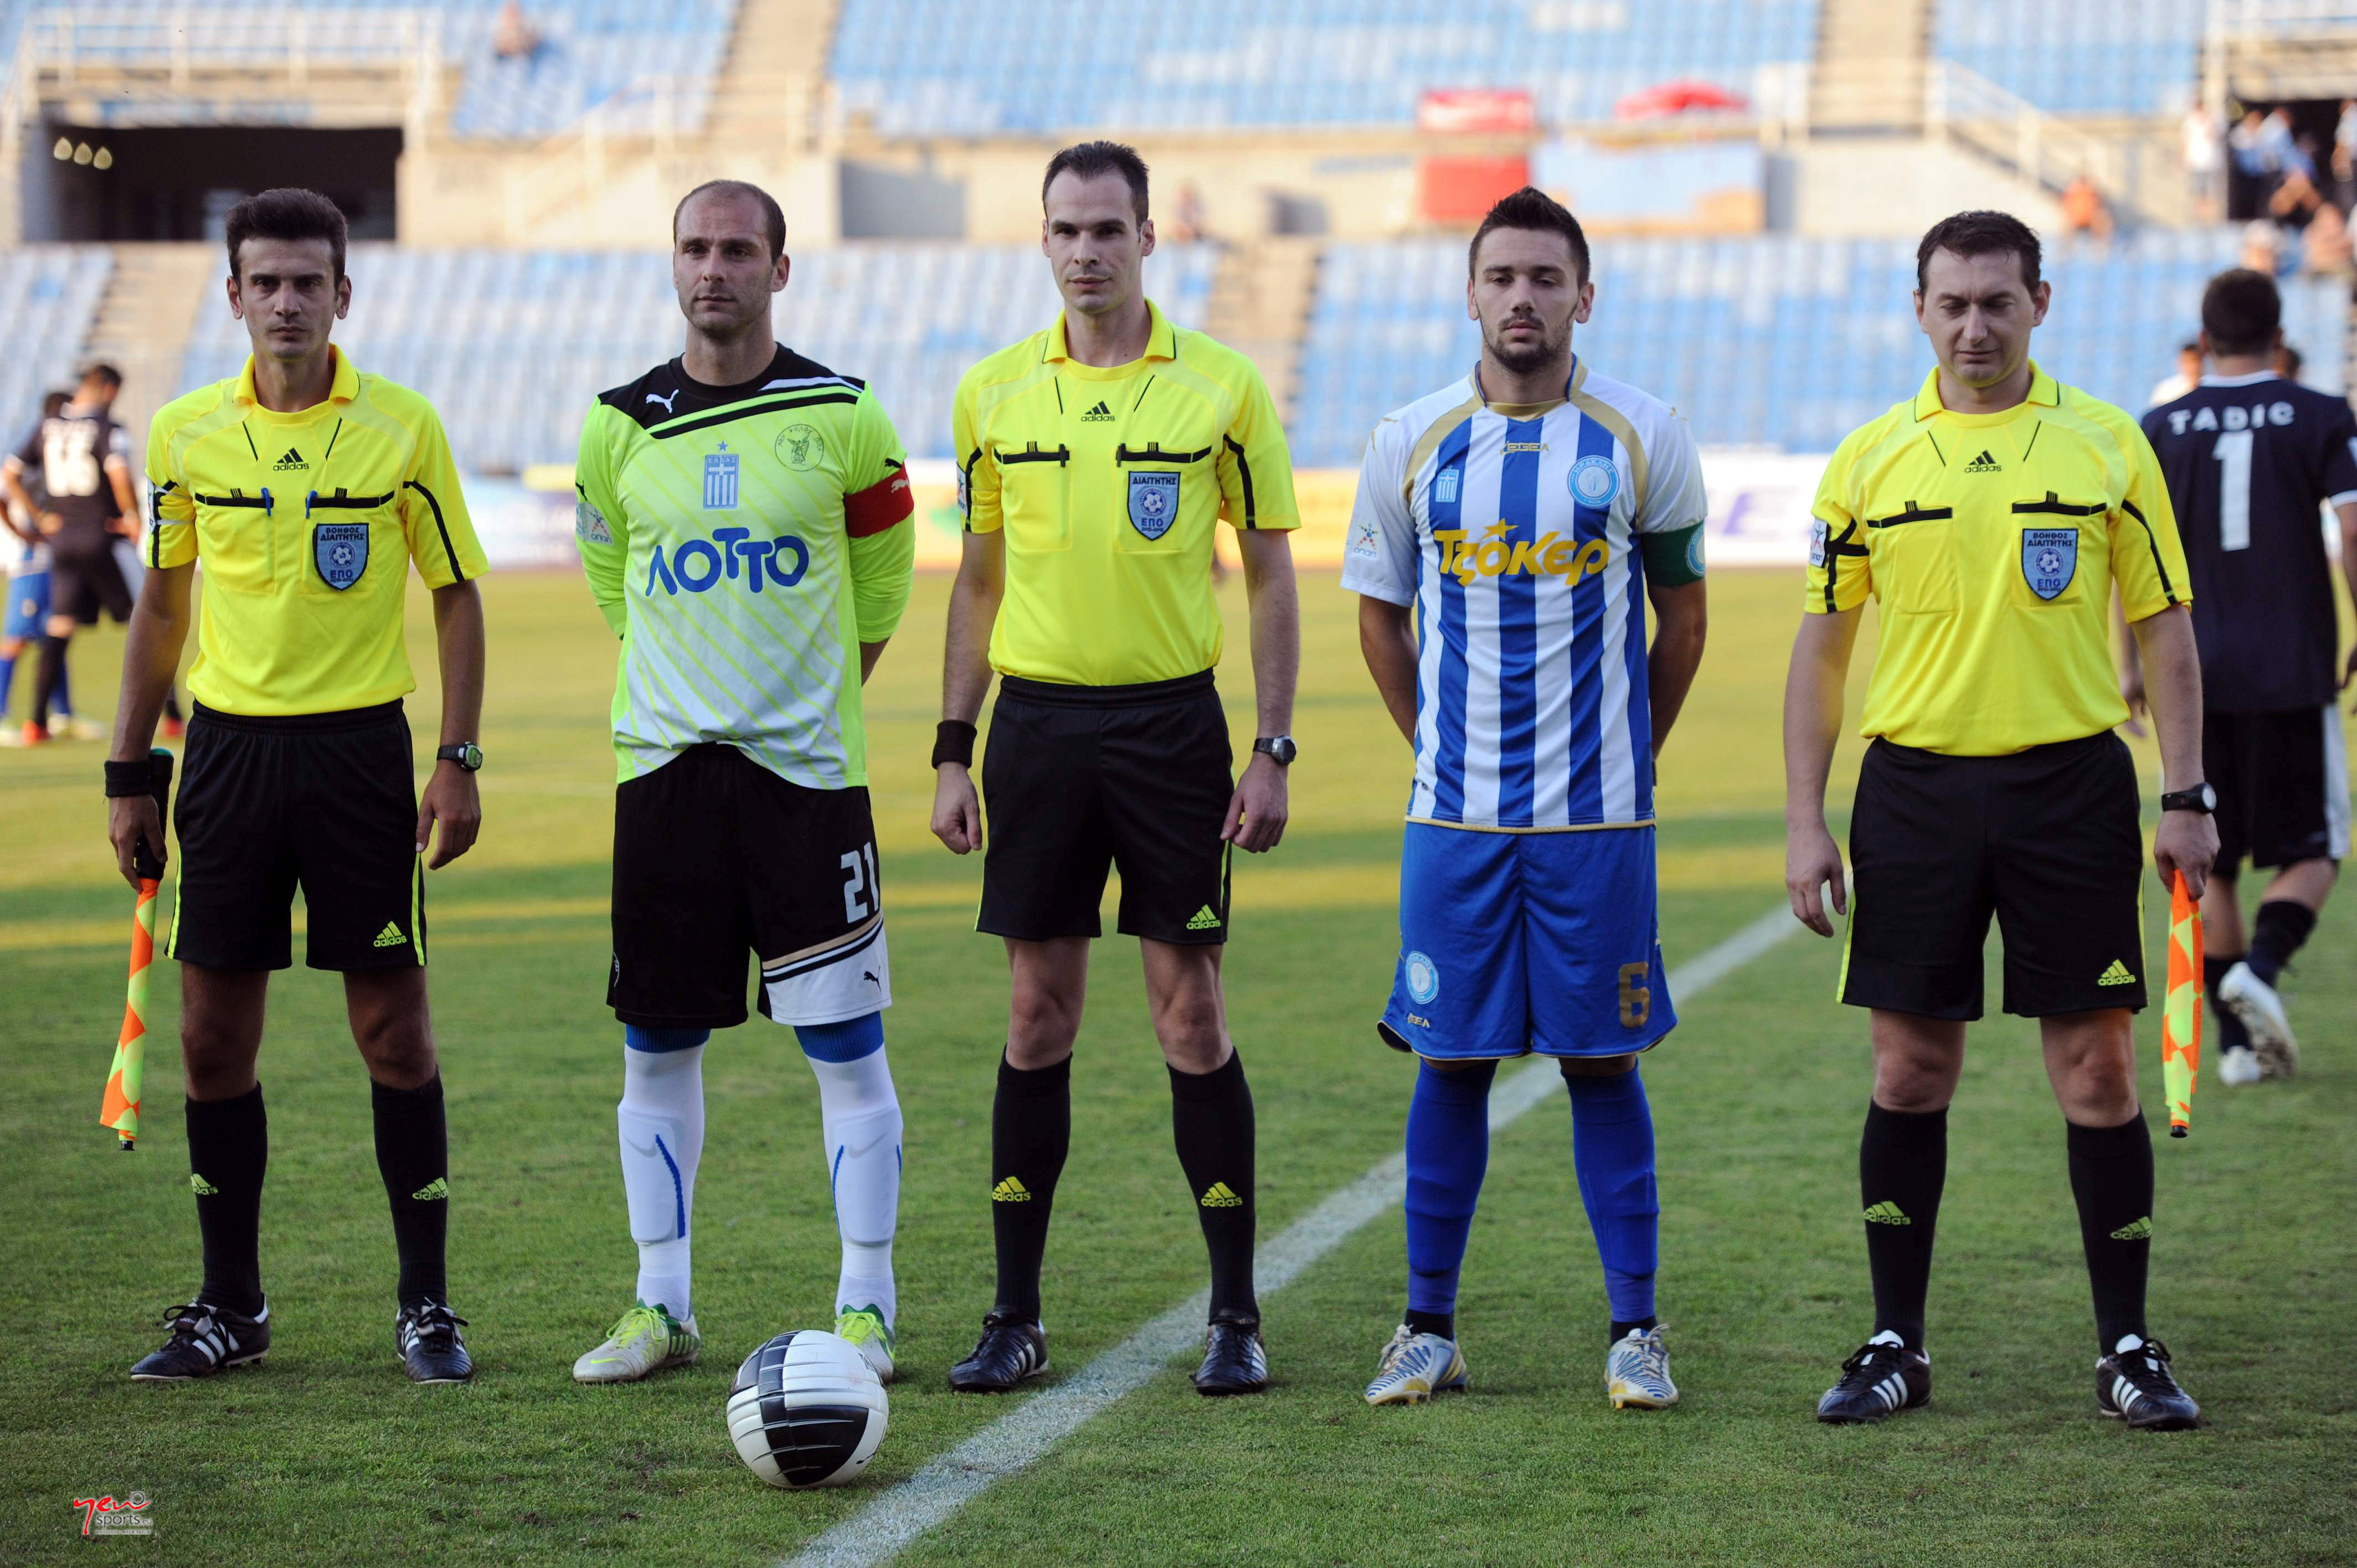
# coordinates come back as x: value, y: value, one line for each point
x: 720, y: 480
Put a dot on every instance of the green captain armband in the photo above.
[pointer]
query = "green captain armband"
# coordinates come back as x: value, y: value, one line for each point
x: 1673, y: 560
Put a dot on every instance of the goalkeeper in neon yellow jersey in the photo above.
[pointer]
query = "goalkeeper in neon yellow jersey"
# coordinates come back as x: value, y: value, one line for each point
x: 744, y: 523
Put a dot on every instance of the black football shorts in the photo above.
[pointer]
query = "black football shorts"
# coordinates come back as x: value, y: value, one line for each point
x: 326, y: 801
x: 2049, y: 840
x: 83, y: 581
x: 2283, y: 786
x: 1080, y: 779
x: 717, y: 859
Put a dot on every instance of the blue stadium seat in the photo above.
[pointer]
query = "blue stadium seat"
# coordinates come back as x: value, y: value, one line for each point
x: 2080, y: 57
x: 48, y: 299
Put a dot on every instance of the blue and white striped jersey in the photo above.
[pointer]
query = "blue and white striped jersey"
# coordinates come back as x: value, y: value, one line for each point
x: 1511, y: 530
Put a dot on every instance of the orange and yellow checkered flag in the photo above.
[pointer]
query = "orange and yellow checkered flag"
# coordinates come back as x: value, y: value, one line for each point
x: 2180, y: 1016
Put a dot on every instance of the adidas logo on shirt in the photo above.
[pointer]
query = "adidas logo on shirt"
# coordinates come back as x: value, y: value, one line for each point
x: 439, y: 1188
x: 1887, y: 1213
x: 293, y: 459
x: 1097, y: 415
x: 391, y: 935
x: 1204, y: 921
x: 2135, y: 1230
x: 1010, y: 1191
x: 1984, y: 463
x: 2118, y: 974
x: 1219, y: 1195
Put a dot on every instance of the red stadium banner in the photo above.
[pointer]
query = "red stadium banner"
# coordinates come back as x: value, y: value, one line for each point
x: 1476, y: 109
x: 1462, y: 189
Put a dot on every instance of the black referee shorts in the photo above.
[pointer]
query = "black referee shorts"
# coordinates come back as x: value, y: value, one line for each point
x: 2049, y: 840
x: 1077, y: 780
x: 2283, y: 786
x: 326, y: 801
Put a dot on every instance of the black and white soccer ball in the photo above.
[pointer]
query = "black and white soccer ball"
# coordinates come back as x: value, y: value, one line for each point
x: 806, y: 1409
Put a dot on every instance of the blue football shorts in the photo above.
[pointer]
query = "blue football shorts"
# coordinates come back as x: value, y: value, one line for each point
x: 28, y: 605
x: 1512, y: 943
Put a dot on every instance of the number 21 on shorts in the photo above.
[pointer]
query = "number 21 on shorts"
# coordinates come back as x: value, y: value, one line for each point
x: 862, y: 892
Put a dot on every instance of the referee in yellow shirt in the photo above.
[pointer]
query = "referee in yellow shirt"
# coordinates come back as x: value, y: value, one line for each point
x: 1097, y: 460
x: 308, y: 488
x: 1992, y: 515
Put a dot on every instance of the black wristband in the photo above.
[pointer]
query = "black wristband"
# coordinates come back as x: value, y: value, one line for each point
x: 126, y: 780
x: 954, y: 742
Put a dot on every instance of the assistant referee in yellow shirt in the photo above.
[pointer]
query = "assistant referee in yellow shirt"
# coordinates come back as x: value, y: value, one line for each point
x: 1991, y: 516
x: 307, y: 488
x: 1096, y: 461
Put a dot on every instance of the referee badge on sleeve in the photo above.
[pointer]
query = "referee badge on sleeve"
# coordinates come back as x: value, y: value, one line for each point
x: 2050, y: 558
x: 340, y: 551
x: 1153, y: 502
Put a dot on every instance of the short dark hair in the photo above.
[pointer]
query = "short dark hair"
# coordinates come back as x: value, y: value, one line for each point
x: 773, y: 217
x: 1531, y: 208
x: 287, y: 212
x: 1086, y: 160
x: 51, y: 403
x: 1981, y: 234
x: 100, y: 370
x: 2241, y: 311
x: 2290, y: 361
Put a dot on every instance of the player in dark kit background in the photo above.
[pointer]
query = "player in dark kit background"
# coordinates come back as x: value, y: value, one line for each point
x: 2251, y: 459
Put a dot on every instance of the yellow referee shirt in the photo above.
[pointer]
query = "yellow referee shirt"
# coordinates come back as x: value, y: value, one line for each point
x: 1992, y: 542
x: 306, y: 524
x: 1108, y: 483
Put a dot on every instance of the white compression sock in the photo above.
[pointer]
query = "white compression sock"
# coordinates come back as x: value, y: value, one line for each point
x: 861, y: 1116
x: 662, y: 1123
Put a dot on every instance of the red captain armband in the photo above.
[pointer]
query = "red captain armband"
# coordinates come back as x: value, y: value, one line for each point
x: 880, y: 506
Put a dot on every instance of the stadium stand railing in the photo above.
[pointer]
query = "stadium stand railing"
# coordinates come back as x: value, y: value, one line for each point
x: 48, y: 298
x: 560, y: 326
x: 1778, y: 342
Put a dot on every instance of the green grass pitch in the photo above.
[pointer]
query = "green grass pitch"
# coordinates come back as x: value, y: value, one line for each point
x: 325, y: 1454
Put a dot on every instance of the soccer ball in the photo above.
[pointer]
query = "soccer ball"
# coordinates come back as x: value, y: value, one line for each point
x: 806, y: 1409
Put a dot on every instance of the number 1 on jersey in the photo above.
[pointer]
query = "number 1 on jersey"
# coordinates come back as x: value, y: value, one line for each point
x: 2234, y: 449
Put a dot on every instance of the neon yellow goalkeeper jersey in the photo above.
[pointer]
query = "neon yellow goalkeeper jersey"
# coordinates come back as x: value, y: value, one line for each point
x: 743, y: 541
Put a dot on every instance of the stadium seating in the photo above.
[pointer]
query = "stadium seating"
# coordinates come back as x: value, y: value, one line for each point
x: 512, y: 346
x: 1777, y: 342
x: 943, y: 66
x: 2080, y: 57
x: 646, y: 65
x: 48, y: 298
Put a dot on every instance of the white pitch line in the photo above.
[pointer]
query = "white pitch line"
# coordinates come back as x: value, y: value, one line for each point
x: 878, y: 1532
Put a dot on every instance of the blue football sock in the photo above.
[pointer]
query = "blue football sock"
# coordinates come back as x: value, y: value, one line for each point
x: 1612, y: 1151
x: 8, y: 680
x: 1447, y: 1154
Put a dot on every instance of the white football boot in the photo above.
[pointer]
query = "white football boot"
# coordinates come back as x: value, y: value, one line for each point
x: 1414, y: 1367
x: 1637, y: 1371
x: 2260, y: 1007
x: 647, y: 1340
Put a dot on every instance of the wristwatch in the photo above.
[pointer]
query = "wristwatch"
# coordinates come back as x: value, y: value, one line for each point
x: 1277, y: 749
x: 2200, y: 797
x: 465, y: 754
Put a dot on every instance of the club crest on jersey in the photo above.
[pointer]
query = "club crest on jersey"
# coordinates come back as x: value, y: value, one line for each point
x: 1153, y: 502
x: 798, y: 448
x: 340, y: 551
x: 1594, y: 481
x: 720, y: 479
x: 2050, y: 558
x: 1423, y: 977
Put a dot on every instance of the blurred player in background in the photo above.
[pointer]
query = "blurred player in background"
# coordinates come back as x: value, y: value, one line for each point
x: 1097, y: 458
x: 28, y: 592
x: 308, y: 488
x: 87, y: 504
x: 1991, y: 515
x: 744, y: 525
x: 1535, y: 711
x: 2252, y: 461
x: 2289, y: 363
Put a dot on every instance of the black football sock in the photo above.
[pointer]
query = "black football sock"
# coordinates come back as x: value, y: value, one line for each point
x: 228, y: 1147
x: 412, y: 1155
x: 1622, y: 1329
x: 1902, y: 1166
x: 1211, y: 1123
x: 2111, y: 1177
x: 2231, y: 1035
x: 1441, y: 1323
x: 48, y: 678
x: 172, y: 704
x: 1030, y: 1132
x: 2276, y: 933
